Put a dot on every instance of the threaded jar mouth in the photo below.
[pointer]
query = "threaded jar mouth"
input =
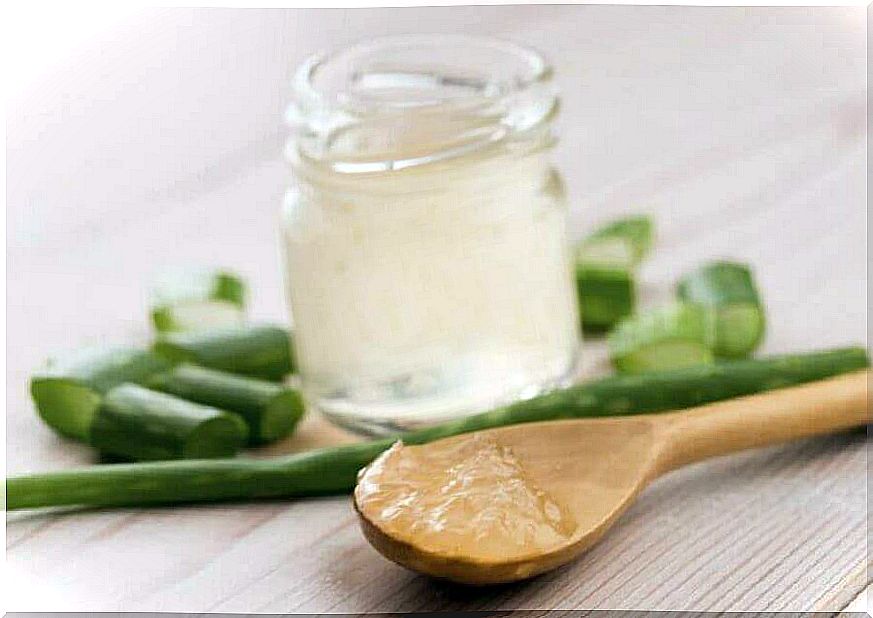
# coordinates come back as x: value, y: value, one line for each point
x: 399, y: 102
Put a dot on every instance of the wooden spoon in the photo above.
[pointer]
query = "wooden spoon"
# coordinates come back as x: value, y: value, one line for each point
x: 595, y: 468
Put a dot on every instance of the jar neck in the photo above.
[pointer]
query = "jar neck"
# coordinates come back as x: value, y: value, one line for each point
x: 477, y: 170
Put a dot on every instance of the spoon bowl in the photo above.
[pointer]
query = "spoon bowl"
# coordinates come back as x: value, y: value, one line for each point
x: 591, y: 469
x: 594, y: 481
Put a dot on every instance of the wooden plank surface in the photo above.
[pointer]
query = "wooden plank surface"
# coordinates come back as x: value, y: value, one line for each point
x: 741, y: 130
x: 860, y: 604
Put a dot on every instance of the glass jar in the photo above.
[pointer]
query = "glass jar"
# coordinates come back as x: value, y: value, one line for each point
x: 427, y: 261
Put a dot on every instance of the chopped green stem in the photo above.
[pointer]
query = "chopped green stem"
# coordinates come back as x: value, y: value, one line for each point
x: 606, y: 295
x: 606, y: 262
x: 270, y: 410
x: 671, y: 337
x: 197, y: 300
x: 634, y: 234
x: 728, y: 290
x: 257, y: 351
x: 141, y: 424
x: 68, y: 391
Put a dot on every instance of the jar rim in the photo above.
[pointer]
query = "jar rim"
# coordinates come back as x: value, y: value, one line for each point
x: 478, y: 90
x: 531, y: 66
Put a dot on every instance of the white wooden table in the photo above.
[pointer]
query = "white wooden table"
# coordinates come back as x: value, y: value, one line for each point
x: 741, y: 130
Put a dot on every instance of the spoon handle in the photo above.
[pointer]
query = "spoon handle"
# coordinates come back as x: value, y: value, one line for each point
x: 759, y: 420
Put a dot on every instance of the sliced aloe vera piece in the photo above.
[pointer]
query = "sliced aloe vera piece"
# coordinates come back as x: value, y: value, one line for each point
x: 260, y: 351
x: 605, y: 271
x: 197, y: 300
x: 270, y: 410
x: 140, y: 424
x: 623, y: 241
x: 605, y: 296
x: 728, y: 290
x: 68, y: 391
x: 671, y: 337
